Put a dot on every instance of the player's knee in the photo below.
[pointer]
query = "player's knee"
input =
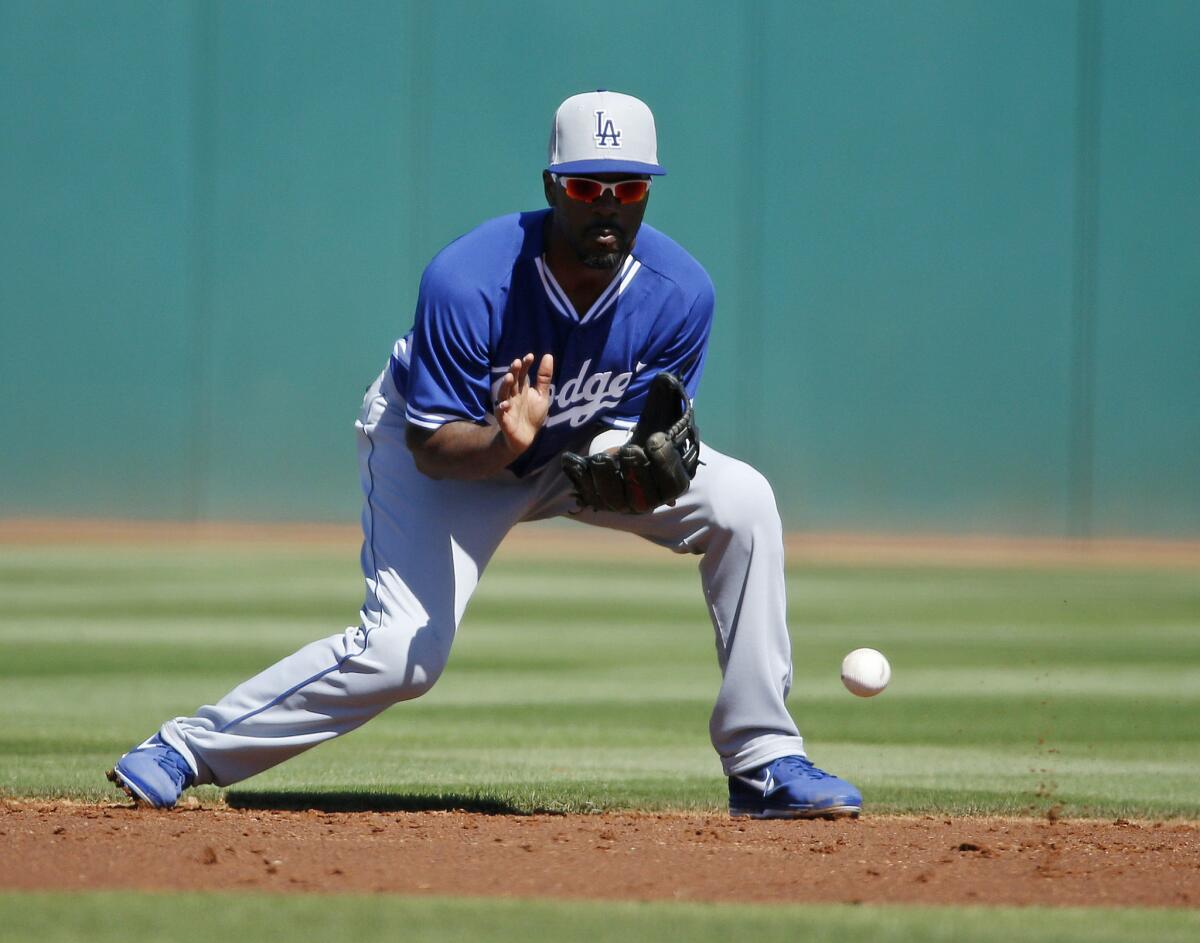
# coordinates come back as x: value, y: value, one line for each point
x: 745, y: 503
x: 419, y: 679
x: 406, y: 664
x: 412, y: 678
x: 423, y: 663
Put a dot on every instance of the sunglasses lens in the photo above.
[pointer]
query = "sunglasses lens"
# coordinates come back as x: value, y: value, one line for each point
x: 631, y: 191
x: 581, y: 189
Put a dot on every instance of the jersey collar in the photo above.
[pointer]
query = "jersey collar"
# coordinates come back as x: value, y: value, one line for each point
x: 558, y: 298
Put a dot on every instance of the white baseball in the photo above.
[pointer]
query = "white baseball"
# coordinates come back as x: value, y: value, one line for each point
x: 610, y: 439
x: 865, y: 672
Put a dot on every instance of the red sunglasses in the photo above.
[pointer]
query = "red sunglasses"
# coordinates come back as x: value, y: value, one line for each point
x: 587, y: 190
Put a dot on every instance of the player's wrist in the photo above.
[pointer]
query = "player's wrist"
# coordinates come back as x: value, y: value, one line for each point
x: 511, y: 446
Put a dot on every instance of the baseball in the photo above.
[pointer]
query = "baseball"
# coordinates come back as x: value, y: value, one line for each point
x: 611, y: 439
x: 865, y: 672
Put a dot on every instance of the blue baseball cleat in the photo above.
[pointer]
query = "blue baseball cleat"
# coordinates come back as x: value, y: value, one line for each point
x: 791, y: 788
x: 154, y: 773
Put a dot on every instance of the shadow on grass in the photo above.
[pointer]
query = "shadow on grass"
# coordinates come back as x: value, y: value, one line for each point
x: 349, y: 801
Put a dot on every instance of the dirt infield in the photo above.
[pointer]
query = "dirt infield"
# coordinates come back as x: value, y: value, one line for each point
x: 930, y: 860
x: 557, y: 540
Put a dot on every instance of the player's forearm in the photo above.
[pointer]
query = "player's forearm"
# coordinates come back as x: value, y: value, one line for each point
x: 461, y: 450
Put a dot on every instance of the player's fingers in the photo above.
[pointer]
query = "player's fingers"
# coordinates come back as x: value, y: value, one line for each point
x: 518, y: 370
x: 509, y: 385
x: 545, y: 374
x: 526, y: 366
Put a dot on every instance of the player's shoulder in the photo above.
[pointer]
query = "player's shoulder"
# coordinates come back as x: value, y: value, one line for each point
x: 483, y: 258
x: 661, y: 254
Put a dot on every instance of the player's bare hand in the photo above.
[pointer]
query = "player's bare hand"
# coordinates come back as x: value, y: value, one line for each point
x: 522, y: 403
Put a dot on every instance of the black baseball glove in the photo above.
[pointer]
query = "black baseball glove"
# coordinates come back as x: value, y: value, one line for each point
x: 654, y: 467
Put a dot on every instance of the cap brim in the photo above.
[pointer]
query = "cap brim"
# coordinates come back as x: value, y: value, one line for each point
x: 607, y: 167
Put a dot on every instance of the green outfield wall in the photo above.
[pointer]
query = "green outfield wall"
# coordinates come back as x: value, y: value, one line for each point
x: 956, y: 244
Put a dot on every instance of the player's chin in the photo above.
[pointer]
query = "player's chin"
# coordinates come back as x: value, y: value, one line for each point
x: 602, y: 260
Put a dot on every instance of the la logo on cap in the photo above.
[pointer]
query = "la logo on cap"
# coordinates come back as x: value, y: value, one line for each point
x: 607, y: 134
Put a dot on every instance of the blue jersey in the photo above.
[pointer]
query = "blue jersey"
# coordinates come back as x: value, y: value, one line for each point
x: 488, y: 299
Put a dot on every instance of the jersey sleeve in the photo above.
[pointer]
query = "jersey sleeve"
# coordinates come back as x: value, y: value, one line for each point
x: 448, y: 376
x: 682, y: 353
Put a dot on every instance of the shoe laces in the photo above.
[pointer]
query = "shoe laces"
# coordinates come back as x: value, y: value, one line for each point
x: 173, y: 763
x: 798, y: 767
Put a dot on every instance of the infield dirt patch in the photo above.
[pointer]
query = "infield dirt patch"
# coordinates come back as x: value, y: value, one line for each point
x: 556, y: 540
x: 910, y: 859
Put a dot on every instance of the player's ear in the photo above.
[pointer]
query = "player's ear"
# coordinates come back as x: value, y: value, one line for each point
x: 550, y: 187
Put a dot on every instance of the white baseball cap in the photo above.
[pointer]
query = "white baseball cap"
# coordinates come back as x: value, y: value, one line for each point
x: 603, y: 132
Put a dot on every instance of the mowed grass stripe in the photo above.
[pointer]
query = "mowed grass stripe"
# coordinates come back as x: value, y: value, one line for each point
x: 115, y: 917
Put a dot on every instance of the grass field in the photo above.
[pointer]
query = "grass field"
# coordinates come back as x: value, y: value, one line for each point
x: 1013, y: 689
x: 576, y: 686
x: 118, y: 918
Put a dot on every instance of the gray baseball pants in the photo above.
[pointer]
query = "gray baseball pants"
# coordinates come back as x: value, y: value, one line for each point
x: 426, y: 544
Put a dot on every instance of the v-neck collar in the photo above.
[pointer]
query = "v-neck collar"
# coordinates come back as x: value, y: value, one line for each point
x: 560, y: 301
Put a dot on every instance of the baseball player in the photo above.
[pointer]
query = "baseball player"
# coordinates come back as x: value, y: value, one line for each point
x: 549, y: 372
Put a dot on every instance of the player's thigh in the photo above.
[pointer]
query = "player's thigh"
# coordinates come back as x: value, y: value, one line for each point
x: 425, y: 541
